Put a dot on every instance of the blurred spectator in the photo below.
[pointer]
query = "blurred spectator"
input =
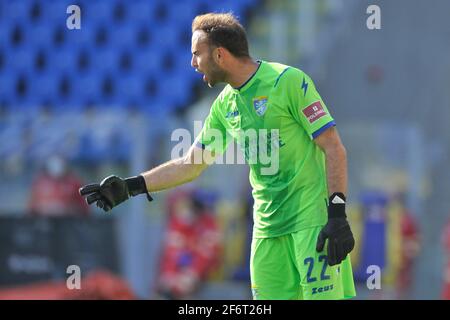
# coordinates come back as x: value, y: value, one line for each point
x: 54, y: 191
x: 191, y: 248
x: 409, y: 251
x: 446, y: 243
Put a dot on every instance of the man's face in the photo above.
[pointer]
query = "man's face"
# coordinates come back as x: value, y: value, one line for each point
x: 203, y: 61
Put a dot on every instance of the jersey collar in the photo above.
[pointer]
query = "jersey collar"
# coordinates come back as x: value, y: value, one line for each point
x: 250, y: 80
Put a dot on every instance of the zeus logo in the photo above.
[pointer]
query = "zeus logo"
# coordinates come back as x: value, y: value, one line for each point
x: 322, y: 289
x: 304, y: 86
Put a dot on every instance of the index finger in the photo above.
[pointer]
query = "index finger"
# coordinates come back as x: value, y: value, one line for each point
x: 90, y: 188
x: 332, y: 259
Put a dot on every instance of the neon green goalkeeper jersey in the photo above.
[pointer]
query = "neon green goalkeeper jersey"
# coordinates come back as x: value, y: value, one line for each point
x: 274, y: 118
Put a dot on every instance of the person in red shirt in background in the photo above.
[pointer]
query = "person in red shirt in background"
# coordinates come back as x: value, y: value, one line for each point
x: 410, y: 249
x: 54, y: 191
x: 446, y: 244
x: 192, y: 245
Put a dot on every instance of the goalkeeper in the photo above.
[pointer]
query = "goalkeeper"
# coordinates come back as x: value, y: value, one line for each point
x: 301, y: 237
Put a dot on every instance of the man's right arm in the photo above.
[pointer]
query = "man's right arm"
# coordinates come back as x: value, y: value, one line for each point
x: 178, y: 171
x: 114, y: 190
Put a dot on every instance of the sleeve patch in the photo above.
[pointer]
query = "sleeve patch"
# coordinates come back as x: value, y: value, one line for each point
x: 314, y: 112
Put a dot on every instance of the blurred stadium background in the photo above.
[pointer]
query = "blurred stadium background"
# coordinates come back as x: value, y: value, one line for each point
x: 77, y: 105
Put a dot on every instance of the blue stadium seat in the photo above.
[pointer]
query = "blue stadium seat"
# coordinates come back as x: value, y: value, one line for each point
x: 142, y: 11
x: 17, y: 36
x: 123, y: 36
x: 126, y: 62
x: 88, y: 87
x: 16, y: 10
x: 64, y: 60
x: 43, y: 87
x: 184, y: 11
x: 66, y: 97
x: 156, y: 106
x: 130, y: 87
x: 143, y: 36
x: 175, y: 89
x: 19, y: 60
x: 161, y: 13
x: 104, y: 60
x: 203, y: 6
x: 4, y: 33
x: 109, y: 91
x: 84, y: 37
x: 183, y: 60
x: 7, y: 80
x: 41, y: 35
x: 88, y: 151
x: 149, y: 61
x: 166, y: 37
x: 100, y: 11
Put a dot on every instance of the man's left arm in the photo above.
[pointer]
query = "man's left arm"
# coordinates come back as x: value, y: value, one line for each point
x: 336, y: 160
x: 308, y: 109
x: 337, y: 230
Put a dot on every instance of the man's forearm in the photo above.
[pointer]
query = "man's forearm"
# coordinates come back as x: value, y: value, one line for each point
x: 171, y: 174
x: 336, y: 163
x: 114, y: 190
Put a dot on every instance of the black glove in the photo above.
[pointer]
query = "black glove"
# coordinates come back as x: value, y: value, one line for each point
x: 114, y: 190
x: 337, y: 231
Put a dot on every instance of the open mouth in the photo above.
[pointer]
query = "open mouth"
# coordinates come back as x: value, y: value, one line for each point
x: 204, y: 75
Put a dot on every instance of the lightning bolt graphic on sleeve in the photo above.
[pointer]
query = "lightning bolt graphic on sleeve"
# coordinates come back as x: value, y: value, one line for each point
x: 304, y: 86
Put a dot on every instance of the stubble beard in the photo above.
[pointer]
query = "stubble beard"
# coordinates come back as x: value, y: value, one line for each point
x: 216, y: 75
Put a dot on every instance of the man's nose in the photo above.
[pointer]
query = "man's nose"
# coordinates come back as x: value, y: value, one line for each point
x: 194, y: 62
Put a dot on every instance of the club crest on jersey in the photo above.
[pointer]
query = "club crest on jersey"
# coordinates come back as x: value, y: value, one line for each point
x: 260, y: 105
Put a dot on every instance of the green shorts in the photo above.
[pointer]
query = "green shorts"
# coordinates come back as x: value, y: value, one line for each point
x: 289, y: 268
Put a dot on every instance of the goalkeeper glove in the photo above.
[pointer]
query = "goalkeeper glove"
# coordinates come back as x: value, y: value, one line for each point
x: 337, y: 231
x: 114, y: 190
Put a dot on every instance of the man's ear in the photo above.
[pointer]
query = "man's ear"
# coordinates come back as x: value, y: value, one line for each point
x: 218, y: 55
